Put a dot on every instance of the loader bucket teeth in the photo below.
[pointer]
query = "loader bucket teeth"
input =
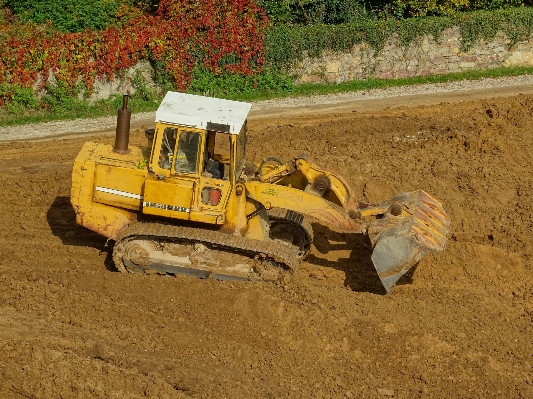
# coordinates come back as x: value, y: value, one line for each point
x: 401, y: 241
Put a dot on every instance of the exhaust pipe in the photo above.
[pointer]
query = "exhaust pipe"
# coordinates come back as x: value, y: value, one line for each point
x: 123, y: 128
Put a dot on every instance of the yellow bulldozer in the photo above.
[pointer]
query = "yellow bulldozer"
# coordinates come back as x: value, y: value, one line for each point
x: 189, y: 203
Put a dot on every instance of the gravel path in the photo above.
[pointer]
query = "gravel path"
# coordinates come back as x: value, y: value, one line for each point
x: 76, y: 126
x: 463, y: 85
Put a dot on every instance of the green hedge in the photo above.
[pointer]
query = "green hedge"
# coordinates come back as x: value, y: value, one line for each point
x: 304, y: 12
x: 288, y: 44
x: 307, y: 12
x: 68, y: 15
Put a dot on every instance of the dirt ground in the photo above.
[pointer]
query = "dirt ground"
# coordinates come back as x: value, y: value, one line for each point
x: 72, y: 327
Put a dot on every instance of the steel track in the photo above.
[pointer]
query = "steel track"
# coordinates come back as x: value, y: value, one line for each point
x: 284, y: 255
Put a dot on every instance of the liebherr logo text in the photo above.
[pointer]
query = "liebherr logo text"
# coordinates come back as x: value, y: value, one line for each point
x: 166, y: 207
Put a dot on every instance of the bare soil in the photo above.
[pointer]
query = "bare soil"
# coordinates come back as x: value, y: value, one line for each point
x: 461, y: 327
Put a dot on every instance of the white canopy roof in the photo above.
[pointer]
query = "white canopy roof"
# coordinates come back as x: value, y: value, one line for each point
x: 203, y: 112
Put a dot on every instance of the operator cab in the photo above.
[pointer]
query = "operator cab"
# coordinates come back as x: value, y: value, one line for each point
x: 198, y: 153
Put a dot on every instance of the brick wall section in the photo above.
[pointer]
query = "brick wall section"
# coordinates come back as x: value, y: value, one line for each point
x: 427, y: 57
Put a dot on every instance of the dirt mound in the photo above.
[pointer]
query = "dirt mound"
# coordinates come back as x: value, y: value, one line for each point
x: 461, y: 327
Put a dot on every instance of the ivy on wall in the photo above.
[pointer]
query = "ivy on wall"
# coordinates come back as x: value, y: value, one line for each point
x: 68, y: 15
x: 285, y: 45
x: 215, y: 43
x: 217, y: 35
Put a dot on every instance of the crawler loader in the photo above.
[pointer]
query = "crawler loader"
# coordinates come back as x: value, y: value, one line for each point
x: 189, y: 203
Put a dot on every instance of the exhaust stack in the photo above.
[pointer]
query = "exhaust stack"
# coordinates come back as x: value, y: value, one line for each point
x: 123, y: 128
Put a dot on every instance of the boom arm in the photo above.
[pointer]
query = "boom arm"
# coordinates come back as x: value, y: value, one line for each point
x: 409, y: 225
x: 277, y: 196
x: 318, y: 181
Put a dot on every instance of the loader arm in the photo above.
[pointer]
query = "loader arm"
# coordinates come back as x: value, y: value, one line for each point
x: 402, y: 230
x: 314, y: 175
x: 326, y: 212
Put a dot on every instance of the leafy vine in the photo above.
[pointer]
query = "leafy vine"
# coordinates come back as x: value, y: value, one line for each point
x: 286, y: 45
x: 218, y: 35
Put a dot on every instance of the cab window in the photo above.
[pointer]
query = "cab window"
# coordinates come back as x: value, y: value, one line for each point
x: 188, y: 152
x: 168, y: 143
x: 217, y: 155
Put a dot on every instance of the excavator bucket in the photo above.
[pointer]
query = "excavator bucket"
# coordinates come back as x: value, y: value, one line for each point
x: 401, y: 240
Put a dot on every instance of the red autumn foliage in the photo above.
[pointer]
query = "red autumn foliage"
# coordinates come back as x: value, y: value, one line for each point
x: 182, y: 34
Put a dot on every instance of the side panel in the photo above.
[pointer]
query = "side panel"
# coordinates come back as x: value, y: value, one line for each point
x: 103, y: 219
x: 119, y: 186
x: 168, y: 197
x: 207, y: 203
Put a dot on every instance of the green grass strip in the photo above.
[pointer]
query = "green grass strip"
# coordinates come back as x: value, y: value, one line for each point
x: 312, y: 89
x: 109, y: 108
x: 308, y: 89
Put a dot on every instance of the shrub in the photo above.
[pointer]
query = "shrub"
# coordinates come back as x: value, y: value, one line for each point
x: 18, y: 98
x: 309, y: 12
x: 143, y: 90
x: 230, y: 85
x: 221, y: 36
x: 59, y: 98
x: 422, y: 8
x: 68, y: 15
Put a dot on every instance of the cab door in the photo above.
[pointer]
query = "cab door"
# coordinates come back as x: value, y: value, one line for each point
x: 216, y: 178
x: 170, y: 191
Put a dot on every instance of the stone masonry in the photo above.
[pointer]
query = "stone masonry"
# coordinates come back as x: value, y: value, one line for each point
x: 425, y: 57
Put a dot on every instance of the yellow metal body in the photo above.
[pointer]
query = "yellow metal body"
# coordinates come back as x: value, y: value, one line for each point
x: 197, y: 175
x: 172, y: 180
x: 107, y: 188
x: 110, y: 190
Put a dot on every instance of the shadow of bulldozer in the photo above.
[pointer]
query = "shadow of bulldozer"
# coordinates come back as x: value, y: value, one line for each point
x: 62, y: 221
x: 361, y: 275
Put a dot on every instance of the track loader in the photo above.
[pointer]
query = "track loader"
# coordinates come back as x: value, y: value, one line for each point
x: 188, y: 203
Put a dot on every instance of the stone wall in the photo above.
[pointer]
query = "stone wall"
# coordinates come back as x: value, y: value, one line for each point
x: 123, y: 82
x: 426, y: 57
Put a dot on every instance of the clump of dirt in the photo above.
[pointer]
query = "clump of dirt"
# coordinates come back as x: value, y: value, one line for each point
x: 460, y: 326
